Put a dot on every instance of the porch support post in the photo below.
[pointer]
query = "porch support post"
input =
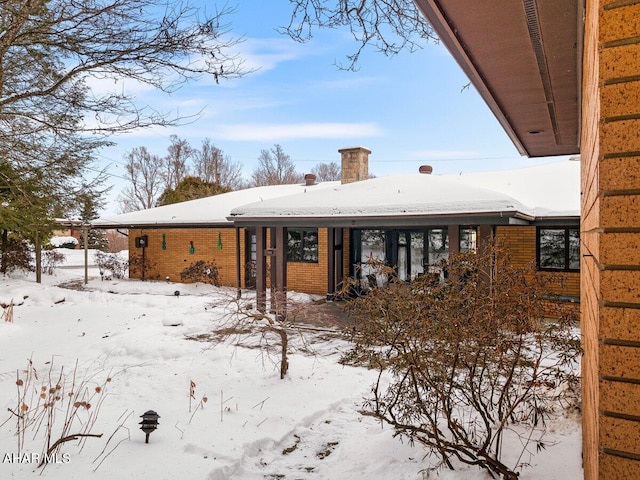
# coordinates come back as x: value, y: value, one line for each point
x: 238, y: 265
x: 339, y: 256
x: 331, y: 262
x: 279, y: 264
x: 273, y: 280
x: 454, y: 239
x: 85, y: 233
x: 261, y: 269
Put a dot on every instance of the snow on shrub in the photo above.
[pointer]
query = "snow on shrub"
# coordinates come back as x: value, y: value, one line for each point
x: 64, y: 242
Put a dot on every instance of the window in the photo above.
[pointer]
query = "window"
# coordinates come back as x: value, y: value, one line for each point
x: 559, y: 249
x: 302, y: 245
x: 438, y: 245
x: 411, y: 251
x: 468, y: 239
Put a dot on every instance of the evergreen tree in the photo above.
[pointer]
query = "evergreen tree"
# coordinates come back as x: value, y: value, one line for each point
x: 191, y: 188
x: 89, y: 202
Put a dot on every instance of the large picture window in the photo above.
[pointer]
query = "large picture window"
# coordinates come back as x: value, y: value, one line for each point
x: 559, y: 249
x: 302, y: 244
x: 412, y: 252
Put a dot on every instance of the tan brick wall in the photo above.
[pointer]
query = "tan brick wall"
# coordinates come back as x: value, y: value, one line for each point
x: 610, y: 155
x: 520, y: 242
x: 310, y: 277
x: 176, y: 257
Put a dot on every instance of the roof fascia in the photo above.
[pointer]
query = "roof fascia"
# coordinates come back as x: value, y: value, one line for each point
x: 162, y: 225
x: 440, y: 24
x: 487, y: 218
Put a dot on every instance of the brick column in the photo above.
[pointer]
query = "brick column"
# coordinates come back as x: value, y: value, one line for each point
x: 610, y: 267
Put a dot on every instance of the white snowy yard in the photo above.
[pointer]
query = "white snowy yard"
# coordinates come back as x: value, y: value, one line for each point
x: 252, y: 426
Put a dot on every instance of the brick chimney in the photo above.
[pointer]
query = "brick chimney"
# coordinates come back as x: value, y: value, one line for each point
x: 355, y: 164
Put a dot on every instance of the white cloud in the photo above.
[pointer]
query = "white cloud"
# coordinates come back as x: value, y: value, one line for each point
x: 288, y: 131
x: 263, y: 54
x: 105, y: 86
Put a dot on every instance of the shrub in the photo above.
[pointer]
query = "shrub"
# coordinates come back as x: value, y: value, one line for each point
x: 16, y: 254
x: 64, y: 242
x: 472, y: 360
x: 55, y: 406
x: 111, y: 265
x: 142, y: 267
x: 201, y: 271
x: 50, y: 260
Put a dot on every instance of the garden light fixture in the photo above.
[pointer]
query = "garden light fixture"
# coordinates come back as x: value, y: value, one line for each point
x: 149, y: 423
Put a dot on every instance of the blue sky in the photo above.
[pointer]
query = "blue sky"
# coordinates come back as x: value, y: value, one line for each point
x: 409, y: 110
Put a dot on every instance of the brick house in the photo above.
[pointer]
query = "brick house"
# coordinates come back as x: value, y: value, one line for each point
x: 563, y: 77
x: 309, y: 237
x: 178, y: 235
x: 411, y: 221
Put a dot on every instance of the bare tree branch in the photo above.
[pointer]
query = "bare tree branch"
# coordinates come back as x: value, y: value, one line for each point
x: 54, y: 50
x: 389, y: 26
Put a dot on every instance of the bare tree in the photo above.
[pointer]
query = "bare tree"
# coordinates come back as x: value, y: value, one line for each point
x: 144, y: 172
x: 50, y: 52
x: 327, y: 172
x: 387, y: 25
x: 275, y: 168
x: 176, y: 163
x: 211, y: 165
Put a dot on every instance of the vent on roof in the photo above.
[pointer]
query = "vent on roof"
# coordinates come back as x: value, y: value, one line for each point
x: 309, y: 179
x: 426, y: 169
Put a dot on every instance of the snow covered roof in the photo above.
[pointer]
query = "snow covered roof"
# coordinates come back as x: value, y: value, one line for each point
x: 396, y: 196
x: 207, y: 211
x: 551, y: 190
x: 545, y: 191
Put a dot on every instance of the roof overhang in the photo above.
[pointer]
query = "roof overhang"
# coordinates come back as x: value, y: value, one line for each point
x: 524, y: 58
x: 386, y: 221
x: 151, y: 225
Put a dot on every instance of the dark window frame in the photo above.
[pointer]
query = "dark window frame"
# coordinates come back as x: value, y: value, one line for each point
x: 300, y: 250
x: 566, y: 267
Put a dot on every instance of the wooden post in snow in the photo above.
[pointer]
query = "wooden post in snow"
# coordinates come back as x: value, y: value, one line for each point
x: 85, y: 233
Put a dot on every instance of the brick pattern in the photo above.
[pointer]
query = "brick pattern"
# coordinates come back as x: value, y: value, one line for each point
x: 520, y: 242
x: 310, y: 277
x: 610, y: 153
x: 170, y: 262
x: 305, y: 277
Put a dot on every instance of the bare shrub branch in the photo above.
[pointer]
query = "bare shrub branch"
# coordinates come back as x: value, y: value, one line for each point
x: 468, y: 361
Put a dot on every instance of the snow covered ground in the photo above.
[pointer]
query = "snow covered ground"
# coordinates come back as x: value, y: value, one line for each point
x: 252, y: 426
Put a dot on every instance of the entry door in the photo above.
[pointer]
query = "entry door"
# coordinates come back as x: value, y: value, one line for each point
x: 410, y: 256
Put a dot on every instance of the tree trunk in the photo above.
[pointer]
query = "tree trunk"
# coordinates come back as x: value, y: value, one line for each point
x: 38, y: 248
x: 3, y: 247
x: 284, y: 361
